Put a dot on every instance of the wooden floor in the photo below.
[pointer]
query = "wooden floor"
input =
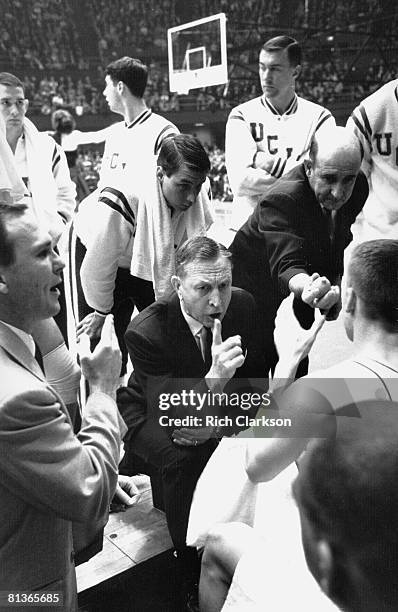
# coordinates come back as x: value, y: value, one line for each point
x: 130, y: 538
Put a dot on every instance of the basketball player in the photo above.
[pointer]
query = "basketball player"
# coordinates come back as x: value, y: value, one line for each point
x: 130, y: 149
x: 374, y: 122
x: 269, y: 135
x: 132, y: 229
x: 140, y: 135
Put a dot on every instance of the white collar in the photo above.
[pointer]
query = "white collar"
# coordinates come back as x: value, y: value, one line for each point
x: 327, y: 210
x: 194, y: 325
x: 290, y: 110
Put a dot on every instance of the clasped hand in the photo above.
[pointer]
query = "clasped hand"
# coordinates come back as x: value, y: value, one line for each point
x: 91, y: 325
x: 319, y: 293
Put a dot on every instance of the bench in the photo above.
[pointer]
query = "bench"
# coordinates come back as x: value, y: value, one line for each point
x: 130, y: 538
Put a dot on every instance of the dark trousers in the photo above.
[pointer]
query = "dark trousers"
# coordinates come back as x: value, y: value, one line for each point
x: 129, y: 291
x: 179, y: 468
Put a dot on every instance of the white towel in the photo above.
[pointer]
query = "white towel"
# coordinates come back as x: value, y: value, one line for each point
x: 11, y: 185
x: 39, y: 152
x: 157, y: 233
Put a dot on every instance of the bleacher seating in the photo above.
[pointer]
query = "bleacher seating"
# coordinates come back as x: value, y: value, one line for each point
x: 60, y: 47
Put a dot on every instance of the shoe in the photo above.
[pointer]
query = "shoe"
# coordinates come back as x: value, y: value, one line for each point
x: 189, y: 572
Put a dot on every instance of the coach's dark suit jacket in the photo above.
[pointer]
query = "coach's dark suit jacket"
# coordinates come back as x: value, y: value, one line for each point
x: 167, y: 359
x: 287, y: 234
x: 164, y: 352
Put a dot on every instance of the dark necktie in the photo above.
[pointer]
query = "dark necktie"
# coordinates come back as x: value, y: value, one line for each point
x: 207, y: 340
x: 328, y: 214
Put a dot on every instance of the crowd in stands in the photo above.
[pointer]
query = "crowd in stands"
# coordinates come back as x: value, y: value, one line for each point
x: 353, y: 14
x: 46, y: 47
x: 45, y: 34
x: 88, y: 163
x: 39, y: 35
x: 157, y: 93
x: 51, y: 92
x: 124, y: 25
x: 220, y: 187
x: 325, y: 83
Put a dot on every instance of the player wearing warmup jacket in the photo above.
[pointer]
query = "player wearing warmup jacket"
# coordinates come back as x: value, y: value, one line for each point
x: 132, y: 231
x: 130, y: 148
x: 130, y: 142
x: 42, y: 165
x: 40, y: 162
x: 375, y: 123
x: 268, y: 136
x: 138, y: 138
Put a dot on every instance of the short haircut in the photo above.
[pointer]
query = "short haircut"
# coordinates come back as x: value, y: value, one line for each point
x: 62, y: 121
x: 373, y: 274
x: 182, y: 149
x: 279, y: 43
x: 132, y: 72
x: 10, y: 80
x: 199, y: 248
x: 7, y: 250
x: 347, y: 491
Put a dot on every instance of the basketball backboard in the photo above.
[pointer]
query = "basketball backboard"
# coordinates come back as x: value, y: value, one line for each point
x: 198, y: 54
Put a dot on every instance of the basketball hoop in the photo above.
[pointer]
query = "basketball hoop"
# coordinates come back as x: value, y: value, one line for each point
x: 197, y: 53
